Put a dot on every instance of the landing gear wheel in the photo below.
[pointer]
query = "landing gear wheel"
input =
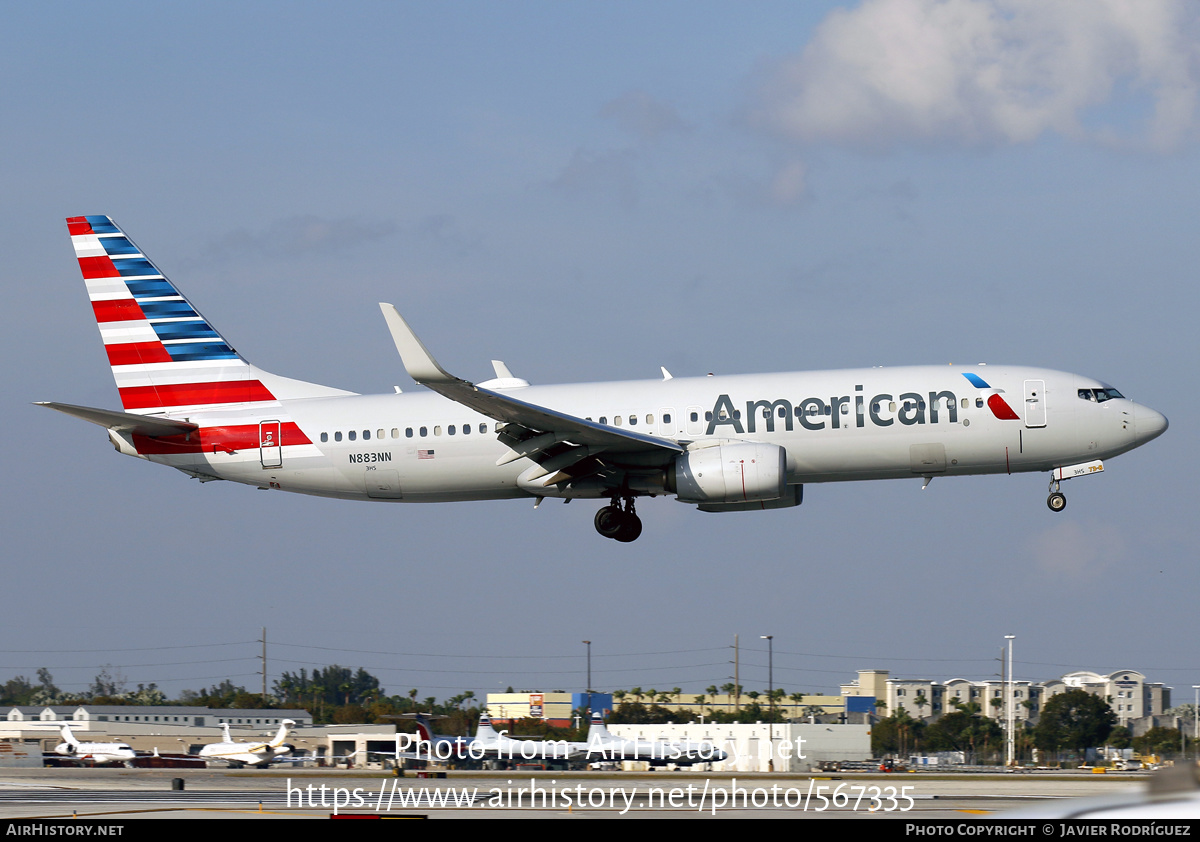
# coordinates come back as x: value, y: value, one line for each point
x: 609, y: 521
x: 620, y: 524
x: 1057, y: 501
x: 630, y: 529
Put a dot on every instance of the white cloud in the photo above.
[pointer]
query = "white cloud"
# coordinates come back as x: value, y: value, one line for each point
x: 984, y: 72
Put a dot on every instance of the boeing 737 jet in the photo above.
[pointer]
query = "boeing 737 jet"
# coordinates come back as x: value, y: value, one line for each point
x: 724, y: 444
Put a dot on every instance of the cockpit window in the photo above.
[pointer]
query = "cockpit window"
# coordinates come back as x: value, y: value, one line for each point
x: 1100, y: 395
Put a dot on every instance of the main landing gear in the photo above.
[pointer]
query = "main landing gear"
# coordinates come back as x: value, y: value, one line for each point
x: 1057, y: 501
x: 619, y: 524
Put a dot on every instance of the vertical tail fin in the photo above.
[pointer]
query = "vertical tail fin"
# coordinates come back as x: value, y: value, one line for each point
x: 284, y: 727
x: 164, y: 354
x: 424, y: 728
x: 485, y: 731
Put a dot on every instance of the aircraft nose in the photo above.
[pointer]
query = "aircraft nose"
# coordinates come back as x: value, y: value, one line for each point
x: 1150, y: 423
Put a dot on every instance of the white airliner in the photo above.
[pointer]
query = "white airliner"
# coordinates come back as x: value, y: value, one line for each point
x: 494, y: 744
x: 96, y: 752
x: 724, y: 444
x: 239, y: 752
x: 601, y: 745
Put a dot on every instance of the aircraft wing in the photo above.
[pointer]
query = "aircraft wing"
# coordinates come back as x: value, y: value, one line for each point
x: 146, y: 425
x: 558, y: 426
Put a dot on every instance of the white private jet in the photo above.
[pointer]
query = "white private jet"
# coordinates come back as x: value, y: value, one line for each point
x: 725, y: 444
x: 602, y: 746
x: 238, y: 753
x: 95, y: 752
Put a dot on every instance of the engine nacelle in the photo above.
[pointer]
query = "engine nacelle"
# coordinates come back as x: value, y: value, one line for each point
x: 738, y: 472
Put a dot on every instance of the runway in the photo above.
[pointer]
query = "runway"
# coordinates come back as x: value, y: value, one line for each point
x: 320, y: 793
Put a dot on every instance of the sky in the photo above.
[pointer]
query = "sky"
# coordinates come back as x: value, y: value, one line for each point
x: 589, y: 191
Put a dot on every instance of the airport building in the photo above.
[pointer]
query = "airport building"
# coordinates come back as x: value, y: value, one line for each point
x: 87, y: 717
x: 1135, y: 700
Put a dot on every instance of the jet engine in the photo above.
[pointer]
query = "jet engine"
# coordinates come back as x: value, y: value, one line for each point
x: 736, y: 472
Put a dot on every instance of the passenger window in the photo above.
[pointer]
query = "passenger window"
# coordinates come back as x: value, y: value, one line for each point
x: 782, y: 412
x: 891, y: 406
x: 380, y: 434
x: 845, y: 409
x: 978, y: 403
x: 603, y: 419
x: 450, y: 430
x: 437, y: 429
x: 366, y: 435
x: 966, y: 403
x: 649, y: 419
x: 324, y: 436
x: 337, y: 436
x: 667, y: 418
x: 395, y: 432
x: 617, y: 420
x: 483, y: 428
x: 424, y: 432
x: 466, y: 429
x: 708, y: 416
x: 632, y: 420
x: 352, y: 435
x: 408, y: 432
x: 695, y: 416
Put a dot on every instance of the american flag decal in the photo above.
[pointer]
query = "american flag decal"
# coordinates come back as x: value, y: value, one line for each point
x: 424, y: 454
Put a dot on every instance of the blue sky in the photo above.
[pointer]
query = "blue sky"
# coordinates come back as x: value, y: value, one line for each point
x: 589, y: 191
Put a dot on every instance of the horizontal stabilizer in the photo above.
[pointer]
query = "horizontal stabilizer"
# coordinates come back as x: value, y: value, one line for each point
x: 124, y: 421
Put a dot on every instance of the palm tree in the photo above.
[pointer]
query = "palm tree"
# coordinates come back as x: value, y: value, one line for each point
x: 920, y: 701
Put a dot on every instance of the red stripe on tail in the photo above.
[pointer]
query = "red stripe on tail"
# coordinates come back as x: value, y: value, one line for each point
x: 134, y: 353
x: 194, y: 394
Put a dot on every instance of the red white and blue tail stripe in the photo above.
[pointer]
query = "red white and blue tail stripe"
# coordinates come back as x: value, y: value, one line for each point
x: 164, y: 354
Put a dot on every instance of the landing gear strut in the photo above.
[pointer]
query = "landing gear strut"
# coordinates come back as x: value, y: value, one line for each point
x: 1057, y: 501
x: 619, y: 524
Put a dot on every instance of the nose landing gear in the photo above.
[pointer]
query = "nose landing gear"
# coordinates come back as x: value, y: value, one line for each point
x: 619, y: 524
x: 1057, y: 501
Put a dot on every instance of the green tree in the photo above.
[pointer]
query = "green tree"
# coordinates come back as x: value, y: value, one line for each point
x: 1074, y: 720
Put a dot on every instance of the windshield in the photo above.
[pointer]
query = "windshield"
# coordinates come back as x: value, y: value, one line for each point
x: 1100, y: 395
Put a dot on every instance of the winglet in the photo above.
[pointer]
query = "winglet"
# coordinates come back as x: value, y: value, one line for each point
x: 418, y: 362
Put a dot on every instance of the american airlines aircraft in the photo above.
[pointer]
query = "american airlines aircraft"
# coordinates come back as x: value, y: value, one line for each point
x: 724, y: 444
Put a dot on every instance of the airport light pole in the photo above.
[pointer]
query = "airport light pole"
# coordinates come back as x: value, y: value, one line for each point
x: 588, y: 644
x: 770, y: 638
x: 1010, y: 744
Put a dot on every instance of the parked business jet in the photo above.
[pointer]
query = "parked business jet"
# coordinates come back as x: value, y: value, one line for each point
x: 240, y: 752
x: 725, y: 444
x: 601, y: 745
x: 95, y: 752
